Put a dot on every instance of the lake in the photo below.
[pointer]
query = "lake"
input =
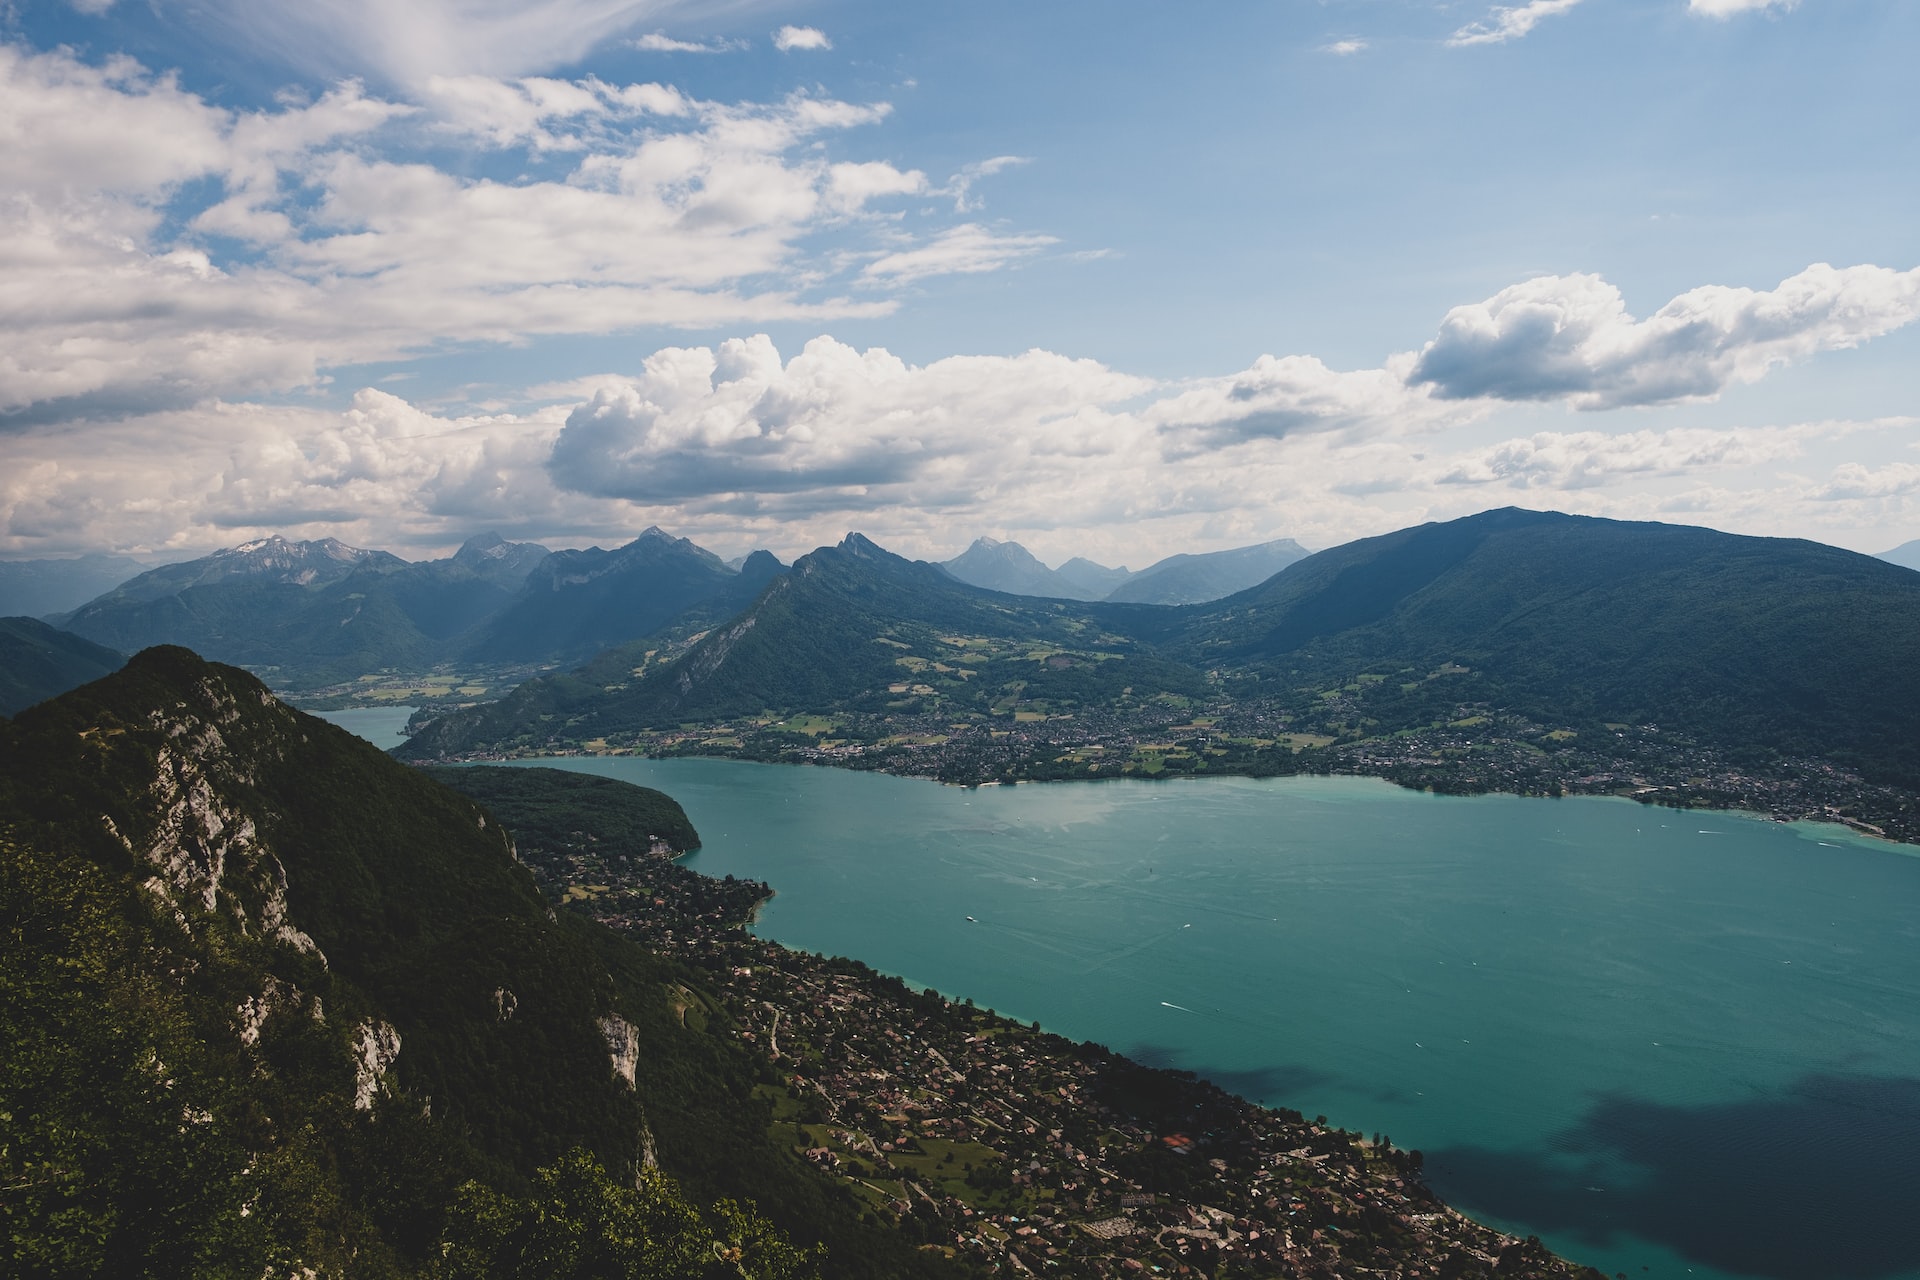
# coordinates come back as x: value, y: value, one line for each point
x: 1668, y: 1043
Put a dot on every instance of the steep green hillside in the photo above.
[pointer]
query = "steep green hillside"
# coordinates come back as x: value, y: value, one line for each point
x: 38, y: 661
x: 1770, y: 642
x: 272, y: 1000
x: 554, y: 803
x: 850, y: 628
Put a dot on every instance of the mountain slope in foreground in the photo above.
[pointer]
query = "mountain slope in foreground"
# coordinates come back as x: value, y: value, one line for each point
x: 272, y: 1002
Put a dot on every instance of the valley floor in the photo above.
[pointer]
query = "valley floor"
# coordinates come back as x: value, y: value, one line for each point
x: 1480, y: 750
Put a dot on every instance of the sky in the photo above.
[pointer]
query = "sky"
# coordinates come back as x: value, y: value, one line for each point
x: 1105, y: 277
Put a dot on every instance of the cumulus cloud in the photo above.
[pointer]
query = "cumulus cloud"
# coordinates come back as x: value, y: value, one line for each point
x: 787, y: 39
x: 1728, y: 8
x: 1506, y: 24
x: 1289, y: 395
x: 1344, y: 48
x: 124, y: 196
x: 701, y: 422
x: 1570, y: 337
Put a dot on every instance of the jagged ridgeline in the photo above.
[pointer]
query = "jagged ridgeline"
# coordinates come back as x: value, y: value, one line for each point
x: 270, y: 1001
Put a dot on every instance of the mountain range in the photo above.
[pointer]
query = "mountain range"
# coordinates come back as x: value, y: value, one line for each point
x: 1178, y: 579
x: 312, y: 613
x: 1759, y: 645
x: 37, y: 588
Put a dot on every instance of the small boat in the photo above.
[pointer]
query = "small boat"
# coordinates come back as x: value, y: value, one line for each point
x: 971, y: 920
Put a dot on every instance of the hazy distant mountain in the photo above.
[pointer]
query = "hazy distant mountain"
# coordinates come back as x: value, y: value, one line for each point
x: 1010, y: 567
x: 490, y: 557
x: 1906, y: 555
x: 576, y: 603
x: 38, y: 662
x: 268, y: 560
x: 1179, y: 579
x: 36, y: 588
x: 1212, y: 575
x: 226, y: 605
x: 1098, y: 581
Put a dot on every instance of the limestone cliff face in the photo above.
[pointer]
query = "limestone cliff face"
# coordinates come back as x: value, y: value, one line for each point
x: 347, y: 953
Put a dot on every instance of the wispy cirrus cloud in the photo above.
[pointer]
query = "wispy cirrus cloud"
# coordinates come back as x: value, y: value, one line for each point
x: 1505, y: 24
x: 1728, y: 8
x: 405, y: 44
x: 660, y: 42
x: 963, y: 250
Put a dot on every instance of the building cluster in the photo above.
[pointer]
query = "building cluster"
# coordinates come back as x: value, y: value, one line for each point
x: 1021, y: 1152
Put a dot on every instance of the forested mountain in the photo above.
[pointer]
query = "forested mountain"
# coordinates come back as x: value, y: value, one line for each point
x: 1770, y: 642
x: 1194, y: 579
x: 274, y: 1004
x: 1757, y: 647
x: 37, y: 588
x: 38, y: 661
x: 849, y: 626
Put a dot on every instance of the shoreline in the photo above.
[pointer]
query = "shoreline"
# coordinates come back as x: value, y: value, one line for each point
x: 1871, y: 835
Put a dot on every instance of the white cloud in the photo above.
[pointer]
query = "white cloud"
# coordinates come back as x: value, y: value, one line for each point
x: 1563, y: 460
x: 660, y: 42
x: 1728, y: 8
x: 963, y: 250
x: 787, y: 39
x: 92, y: 8
x: 1506, y: 24
x: 1344, y: 48
x: 1854, y: 481
x: 409, y: 43
x: 857, y: 426
x: 672, y: 211
x: 960, y: 185
x: 1282, y: 396
x: 1570, y: 337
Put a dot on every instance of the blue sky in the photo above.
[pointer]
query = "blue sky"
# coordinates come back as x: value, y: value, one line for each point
x: 1113, y: 279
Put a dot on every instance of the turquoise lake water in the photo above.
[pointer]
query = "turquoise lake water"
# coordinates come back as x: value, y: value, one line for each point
x: 384, y: 727
x: 1668, y: 1043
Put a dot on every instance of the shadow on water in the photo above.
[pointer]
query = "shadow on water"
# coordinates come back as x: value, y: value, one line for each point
x: 1820, y: 1179
x: 1276, y: 1082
